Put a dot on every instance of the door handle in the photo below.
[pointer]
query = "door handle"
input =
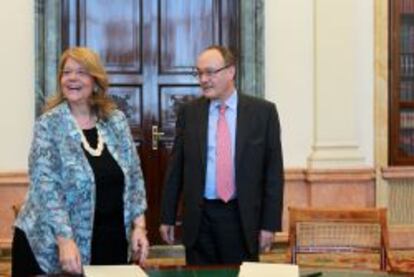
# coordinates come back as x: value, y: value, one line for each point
x: 156, y: 136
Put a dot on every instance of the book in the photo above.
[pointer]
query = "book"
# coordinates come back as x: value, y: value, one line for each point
x: 251, y: 269
x: 113, y: 270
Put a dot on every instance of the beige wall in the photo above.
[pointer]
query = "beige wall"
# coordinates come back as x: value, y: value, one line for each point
x: 17, y: 82
x: 294, y: 72
x: 319, y: 70
x: 290, y: 72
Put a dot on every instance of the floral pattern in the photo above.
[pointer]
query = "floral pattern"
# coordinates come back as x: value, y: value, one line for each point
x: 61, y: 196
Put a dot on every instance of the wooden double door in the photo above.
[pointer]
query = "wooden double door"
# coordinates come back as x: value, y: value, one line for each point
x: 149, y: 48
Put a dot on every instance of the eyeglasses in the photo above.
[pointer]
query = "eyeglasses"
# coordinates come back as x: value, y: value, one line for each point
x: 209, y: 72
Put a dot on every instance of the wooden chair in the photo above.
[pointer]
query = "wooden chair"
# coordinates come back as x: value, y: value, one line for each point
x: 401, y: 265
x: 401, y: 259
x: 322, y: 230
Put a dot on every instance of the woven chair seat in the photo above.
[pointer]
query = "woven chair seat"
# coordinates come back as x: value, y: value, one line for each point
x: 317, y: 230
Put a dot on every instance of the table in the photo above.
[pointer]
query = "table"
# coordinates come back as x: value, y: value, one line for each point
x: 232, y: 271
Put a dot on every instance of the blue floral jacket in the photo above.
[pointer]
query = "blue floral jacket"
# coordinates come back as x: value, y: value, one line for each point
x: 61, y: 196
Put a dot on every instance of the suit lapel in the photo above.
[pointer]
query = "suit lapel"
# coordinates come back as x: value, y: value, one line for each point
x: 202, y: 111
x: 243, y: 115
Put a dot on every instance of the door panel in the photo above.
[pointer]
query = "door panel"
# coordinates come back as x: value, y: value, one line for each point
x: 171, y: 97
x: 129, y: 100
x: 189, y: 24
x: 113, y: 29
x: 149, y: 49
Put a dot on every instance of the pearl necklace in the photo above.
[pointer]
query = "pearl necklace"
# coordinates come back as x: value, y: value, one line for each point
x: 99, y: 147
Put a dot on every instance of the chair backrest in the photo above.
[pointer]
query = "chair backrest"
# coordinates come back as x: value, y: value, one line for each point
x: 325, y: 230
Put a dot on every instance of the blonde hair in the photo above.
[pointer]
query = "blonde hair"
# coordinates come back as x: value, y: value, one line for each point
x: 100, y: 101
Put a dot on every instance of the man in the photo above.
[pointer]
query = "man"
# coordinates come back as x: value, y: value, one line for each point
x: 227, y: 162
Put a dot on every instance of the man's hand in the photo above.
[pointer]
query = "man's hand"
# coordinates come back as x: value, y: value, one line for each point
x: 167, y: 233
x: 69, y: 256
x: 265, y: 240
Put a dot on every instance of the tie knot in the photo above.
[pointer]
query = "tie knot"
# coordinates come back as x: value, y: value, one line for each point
x: 222, y: 108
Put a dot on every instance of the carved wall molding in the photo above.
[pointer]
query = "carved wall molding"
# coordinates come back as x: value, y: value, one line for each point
x: 340, y: 175
x: 354, y: 175
x: 295, y: 175
x: 398, y: 172
x: 14, y: 179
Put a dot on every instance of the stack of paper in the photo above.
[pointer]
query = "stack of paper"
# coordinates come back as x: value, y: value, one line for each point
x: 248, y: 269
x: 113, y: 270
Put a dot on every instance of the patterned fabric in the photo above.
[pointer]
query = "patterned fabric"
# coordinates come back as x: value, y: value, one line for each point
x: 61, y: 196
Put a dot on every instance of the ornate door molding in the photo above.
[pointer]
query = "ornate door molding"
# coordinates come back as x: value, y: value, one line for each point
x: 47, y: 49
x: 252, y: 75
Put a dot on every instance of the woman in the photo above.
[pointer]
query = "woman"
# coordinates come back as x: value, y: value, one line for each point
x: 86, y: 200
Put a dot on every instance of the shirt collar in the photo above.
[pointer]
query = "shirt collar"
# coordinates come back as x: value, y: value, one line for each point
x: 231, y: 102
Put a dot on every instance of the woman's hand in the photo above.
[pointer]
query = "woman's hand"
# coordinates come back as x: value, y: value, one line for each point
x: 69, y: 256
x: 140, y: 244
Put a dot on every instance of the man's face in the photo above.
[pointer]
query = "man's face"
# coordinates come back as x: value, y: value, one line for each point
x: 215, y: 77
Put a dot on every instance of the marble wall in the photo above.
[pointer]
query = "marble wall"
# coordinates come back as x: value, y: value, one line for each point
x: 304, y: 188
x: 351, y: 188
x: 13, y: 187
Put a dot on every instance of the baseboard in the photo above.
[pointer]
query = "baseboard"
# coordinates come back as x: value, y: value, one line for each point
x: 18, y: 178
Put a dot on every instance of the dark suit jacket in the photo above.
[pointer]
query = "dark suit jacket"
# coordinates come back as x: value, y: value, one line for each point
x: 258, y: 168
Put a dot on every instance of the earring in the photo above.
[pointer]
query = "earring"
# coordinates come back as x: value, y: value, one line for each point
x: 95, y: 89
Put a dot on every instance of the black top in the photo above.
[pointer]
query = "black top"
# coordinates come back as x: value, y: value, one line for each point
x: 109, y: 244
x: 109, y: 181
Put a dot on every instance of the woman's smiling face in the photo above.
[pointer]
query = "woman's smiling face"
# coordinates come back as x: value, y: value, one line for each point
x: 76, y: 83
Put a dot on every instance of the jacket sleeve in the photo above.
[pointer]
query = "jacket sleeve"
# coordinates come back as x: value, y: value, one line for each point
x: 274, y: 178
x: 174, y: 176
x: 45, y: 180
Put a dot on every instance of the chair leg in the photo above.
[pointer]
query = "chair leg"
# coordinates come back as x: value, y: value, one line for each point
x: 293, y: 255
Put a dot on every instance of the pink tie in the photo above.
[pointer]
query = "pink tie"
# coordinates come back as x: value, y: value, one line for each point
x: 224, y: 163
